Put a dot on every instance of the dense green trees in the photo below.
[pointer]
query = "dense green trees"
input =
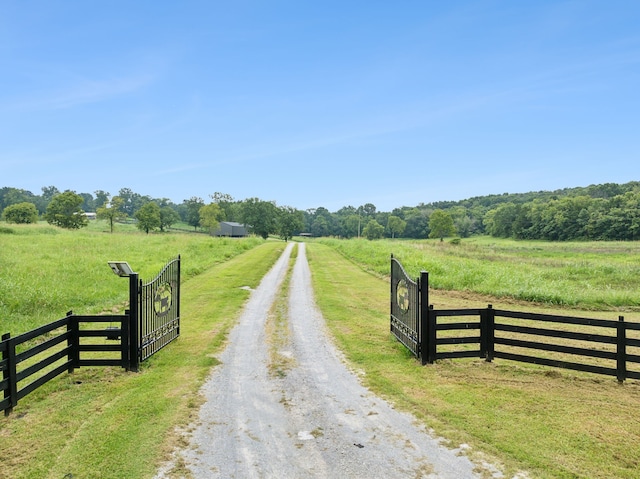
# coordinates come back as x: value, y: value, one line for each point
x: 101, y: 199
x: 64, y: 210
x: 261, y: 217
x: 210, y: 217
x: 597, y: 212
x: 192, y: 211
x: 396, y: 225
x: 441, y: 225
x: 12, y: 196
x: 148, y: 217
x: 373, y: 230
x: 168, y: 217
x: 320, y: 222
x: 569, y: 218
x: 290, y: 222
x: 132, y: 201
x: 230, y: 207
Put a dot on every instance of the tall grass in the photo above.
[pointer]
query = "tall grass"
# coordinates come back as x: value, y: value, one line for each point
x: 586, y: 275
x: 46, y: 271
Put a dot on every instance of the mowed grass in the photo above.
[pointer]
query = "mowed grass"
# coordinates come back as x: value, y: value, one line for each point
x: 551, y: 423
x: 583, y: 275
x: 108, y: 423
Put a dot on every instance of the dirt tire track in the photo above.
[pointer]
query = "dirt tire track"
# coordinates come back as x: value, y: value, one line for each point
x: 317, y: 420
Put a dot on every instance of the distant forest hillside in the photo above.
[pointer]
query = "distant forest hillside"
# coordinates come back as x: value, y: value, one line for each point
x: 608, y: 211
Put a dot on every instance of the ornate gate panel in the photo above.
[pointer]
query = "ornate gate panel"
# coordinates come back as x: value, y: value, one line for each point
x: 159, y: 310
x: 405, y: 311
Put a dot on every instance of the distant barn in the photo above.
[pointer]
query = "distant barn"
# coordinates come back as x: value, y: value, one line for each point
x: 231, y: 229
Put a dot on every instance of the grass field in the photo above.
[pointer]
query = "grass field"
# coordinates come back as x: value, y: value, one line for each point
x: 47, y: 271
x: 107, y: 423
x: 584, y: 275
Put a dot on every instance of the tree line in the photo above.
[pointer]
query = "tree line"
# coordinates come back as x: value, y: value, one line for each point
x: 608, y: 211
x: 70, y: 210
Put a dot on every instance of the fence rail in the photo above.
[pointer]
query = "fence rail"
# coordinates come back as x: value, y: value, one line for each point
x: 34, y: 358
x: 513, y: 335
x: 590, y: 341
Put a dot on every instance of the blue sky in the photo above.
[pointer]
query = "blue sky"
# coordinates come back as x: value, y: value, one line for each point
x: 319, y: 103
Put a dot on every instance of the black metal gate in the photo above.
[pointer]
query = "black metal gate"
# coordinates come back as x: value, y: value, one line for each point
x: 159, y: 310
x: 155, y: 306
x: 406, y: 299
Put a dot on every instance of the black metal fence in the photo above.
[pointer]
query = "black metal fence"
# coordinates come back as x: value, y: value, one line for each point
x: 30, y: 360
x: 597, y: 346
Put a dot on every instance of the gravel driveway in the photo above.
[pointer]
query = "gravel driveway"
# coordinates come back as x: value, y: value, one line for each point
x: 316, y: 420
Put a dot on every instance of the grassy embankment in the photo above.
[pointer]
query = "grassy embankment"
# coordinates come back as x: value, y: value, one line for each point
x: 552, y: 423
x: 105, y: 422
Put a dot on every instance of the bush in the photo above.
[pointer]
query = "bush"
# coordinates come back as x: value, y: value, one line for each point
x: 21, y: 213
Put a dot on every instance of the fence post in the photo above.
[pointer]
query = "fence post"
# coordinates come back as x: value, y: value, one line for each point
x: 10, y: 373
x: 73, y: 342
x: 621, y: 353
x: 424, y: 317
x: 491, y: 332
x: 134, y: 357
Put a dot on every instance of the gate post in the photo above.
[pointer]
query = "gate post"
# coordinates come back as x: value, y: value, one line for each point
x: 391, y: 298
x: 9, y: 374
x: 134, y: 341
x: 423, y: 334
x: 178, y: 295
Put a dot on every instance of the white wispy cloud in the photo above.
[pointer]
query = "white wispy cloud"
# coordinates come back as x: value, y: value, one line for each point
x: 82, y: 92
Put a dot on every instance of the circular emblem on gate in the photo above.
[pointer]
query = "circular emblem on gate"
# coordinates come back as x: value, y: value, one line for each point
x: 402, y: 295
x: 162, y: 299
